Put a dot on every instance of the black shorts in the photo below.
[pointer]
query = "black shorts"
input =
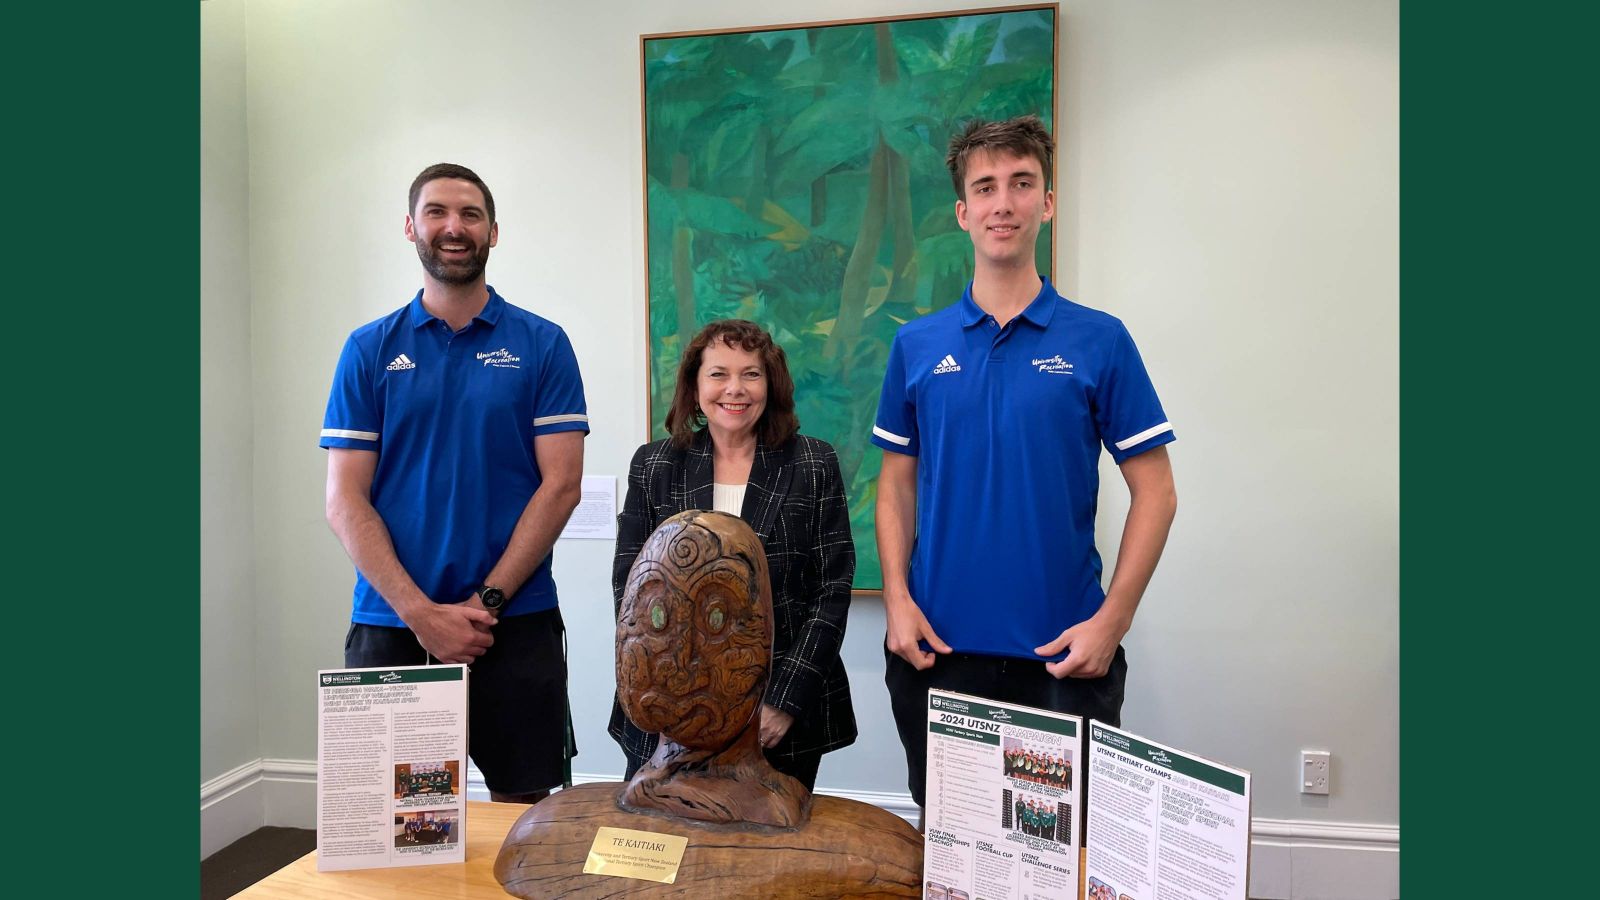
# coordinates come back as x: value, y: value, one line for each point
x: 1022, y: 681
x: 519, y: 732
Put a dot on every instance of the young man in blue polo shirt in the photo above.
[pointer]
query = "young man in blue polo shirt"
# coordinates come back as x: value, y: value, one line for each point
x: 455, y: 455
x: 992, y: 417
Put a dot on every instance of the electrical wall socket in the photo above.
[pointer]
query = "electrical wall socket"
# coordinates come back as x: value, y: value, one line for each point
x: 1316, y: 775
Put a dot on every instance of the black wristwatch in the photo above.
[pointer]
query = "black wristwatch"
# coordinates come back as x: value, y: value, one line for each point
x: 493, y: 599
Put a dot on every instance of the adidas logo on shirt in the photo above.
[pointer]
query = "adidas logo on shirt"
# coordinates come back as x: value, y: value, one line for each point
x: 946, y: 366
x: 401, y: 363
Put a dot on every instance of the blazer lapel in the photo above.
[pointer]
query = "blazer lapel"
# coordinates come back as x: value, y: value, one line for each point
x: 769, y: 484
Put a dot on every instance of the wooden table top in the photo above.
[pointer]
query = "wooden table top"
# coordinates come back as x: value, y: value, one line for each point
x: 487, y: 824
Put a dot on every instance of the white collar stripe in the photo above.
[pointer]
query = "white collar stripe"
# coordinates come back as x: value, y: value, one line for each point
x: 1144, y: 435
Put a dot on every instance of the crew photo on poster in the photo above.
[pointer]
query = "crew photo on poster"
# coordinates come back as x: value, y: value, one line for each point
x: 426, y: 828
x: 1050, y: 766
x: 427, y: 780
x: 1038, y: 817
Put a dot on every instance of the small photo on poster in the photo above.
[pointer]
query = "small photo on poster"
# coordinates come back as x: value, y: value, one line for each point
x: 1037, y: 816
x: 427, y: 828
x: 429, y: 782
x: 1026, y: 762
x: 1099, y: 890
x: 933, y: 890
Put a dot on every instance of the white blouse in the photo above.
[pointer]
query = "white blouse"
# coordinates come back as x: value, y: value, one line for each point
x: 728, y: 498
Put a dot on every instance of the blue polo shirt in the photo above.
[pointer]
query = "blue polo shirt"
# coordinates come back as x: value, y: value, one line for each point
x: 452, y: 417
x: 1007, y: 426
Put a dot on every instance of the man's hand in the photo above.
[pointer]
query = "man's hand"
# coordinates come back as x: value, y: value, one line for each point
x: 774, y: 725
x: 453, y: 632
x: 906, y: 627
x: 474, y: 601
x: 1091, y: 643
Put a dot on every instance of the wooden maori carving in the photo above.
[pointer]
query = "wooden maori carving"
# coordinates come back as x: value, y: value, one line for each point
x: 694, y: 641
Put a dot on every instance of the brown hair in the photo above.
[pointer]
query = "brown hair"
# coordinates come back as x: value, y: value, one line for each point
x: 449, y: 170
x: 1022, y: 136
x: 777, y: 424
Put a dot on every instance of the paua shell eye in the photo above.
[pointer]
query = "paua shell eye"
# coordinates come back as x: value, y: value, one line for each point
x: 715, y: 619
x: 658, y: 616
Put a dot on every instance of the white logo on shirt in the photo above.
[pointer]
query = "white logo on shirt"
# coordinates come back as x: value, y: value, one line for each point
x: 1054, y: 365
x: 401, y: 363
x: 946, y: 366
x: 501, y: 358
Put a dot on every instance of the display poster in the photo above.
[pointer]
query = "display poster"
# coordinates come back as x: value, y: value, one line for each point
x: 595, y: 518
x: 1162, y: 823
x: 1003, y: 800
x: 391, y: 756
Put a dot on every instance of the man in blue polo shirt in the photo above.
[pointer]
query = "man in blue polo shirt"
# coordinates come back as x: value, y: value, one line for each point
x: 455, y: 455
x: 992, y: 416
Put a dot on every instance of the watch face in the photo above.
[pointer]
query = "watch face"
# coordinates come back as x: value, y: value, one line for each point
x: 493, y: 598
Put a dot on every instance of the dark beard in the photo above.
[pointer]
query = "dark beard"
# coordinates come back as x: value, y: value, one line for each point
x: 465, y: 272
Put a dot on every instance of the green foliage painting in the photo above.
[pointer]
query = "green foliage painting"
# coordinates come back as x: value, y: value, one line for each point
x: 795, y: 177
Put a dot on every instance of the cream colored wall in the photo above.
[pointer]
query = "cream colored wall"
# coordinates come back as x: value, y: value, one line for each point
x: 1228, y: 186
x: 229, y: 713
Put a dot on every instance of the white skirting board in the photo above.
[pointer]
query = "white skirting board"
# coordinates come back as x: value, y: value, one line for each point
x: 1300, y: 860
x: 1289, y: 859
x: 261, y: 792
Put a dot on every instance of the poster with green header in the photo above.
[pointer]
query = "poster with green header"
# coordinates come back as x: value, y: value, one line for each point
x: 1163, y: 823
x: 1004, y: 800
x: 391, y: 761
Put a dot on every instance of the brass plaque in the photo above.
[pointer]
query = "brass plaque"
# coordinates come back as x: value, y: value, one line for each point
x: 645, y: 855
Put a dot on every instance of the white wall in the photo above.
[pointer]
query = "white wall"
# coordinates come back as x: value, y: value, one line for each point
x: 229, y: 717
x: 1228, y: 186
x: 1234, y: 170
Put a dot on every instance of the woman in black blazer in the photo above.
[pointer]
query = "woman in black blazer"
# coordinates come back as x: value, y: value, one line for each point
x: 735, y: 446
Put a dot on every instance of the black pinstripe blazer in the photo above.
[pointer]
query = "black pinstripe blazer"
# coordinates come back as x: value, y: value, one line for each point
x: 795, y: 503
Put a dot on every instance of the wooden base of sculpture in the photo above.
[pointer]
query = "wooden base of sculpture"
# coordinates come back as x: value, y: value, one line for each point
x: 847, y: 849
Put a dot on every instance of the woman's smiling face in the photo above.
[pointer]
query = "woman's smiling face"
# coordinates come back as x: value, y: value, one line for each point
x: 732, y: 389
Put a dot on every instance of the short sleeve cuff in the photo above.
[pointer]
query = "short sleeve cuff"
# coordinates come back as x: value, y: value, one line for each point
x: 348, y: 439
x: 894, y: 443
x: 559, y: 423
x: 1149, y: 439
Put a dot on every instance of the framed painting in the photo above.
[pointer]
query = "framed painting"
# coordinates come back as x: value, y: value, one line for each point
x: 794, y: 176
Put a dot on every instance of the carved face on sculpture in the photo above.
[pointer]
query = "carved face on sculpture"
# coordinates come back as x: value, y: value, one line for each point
x: 695, y: 630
